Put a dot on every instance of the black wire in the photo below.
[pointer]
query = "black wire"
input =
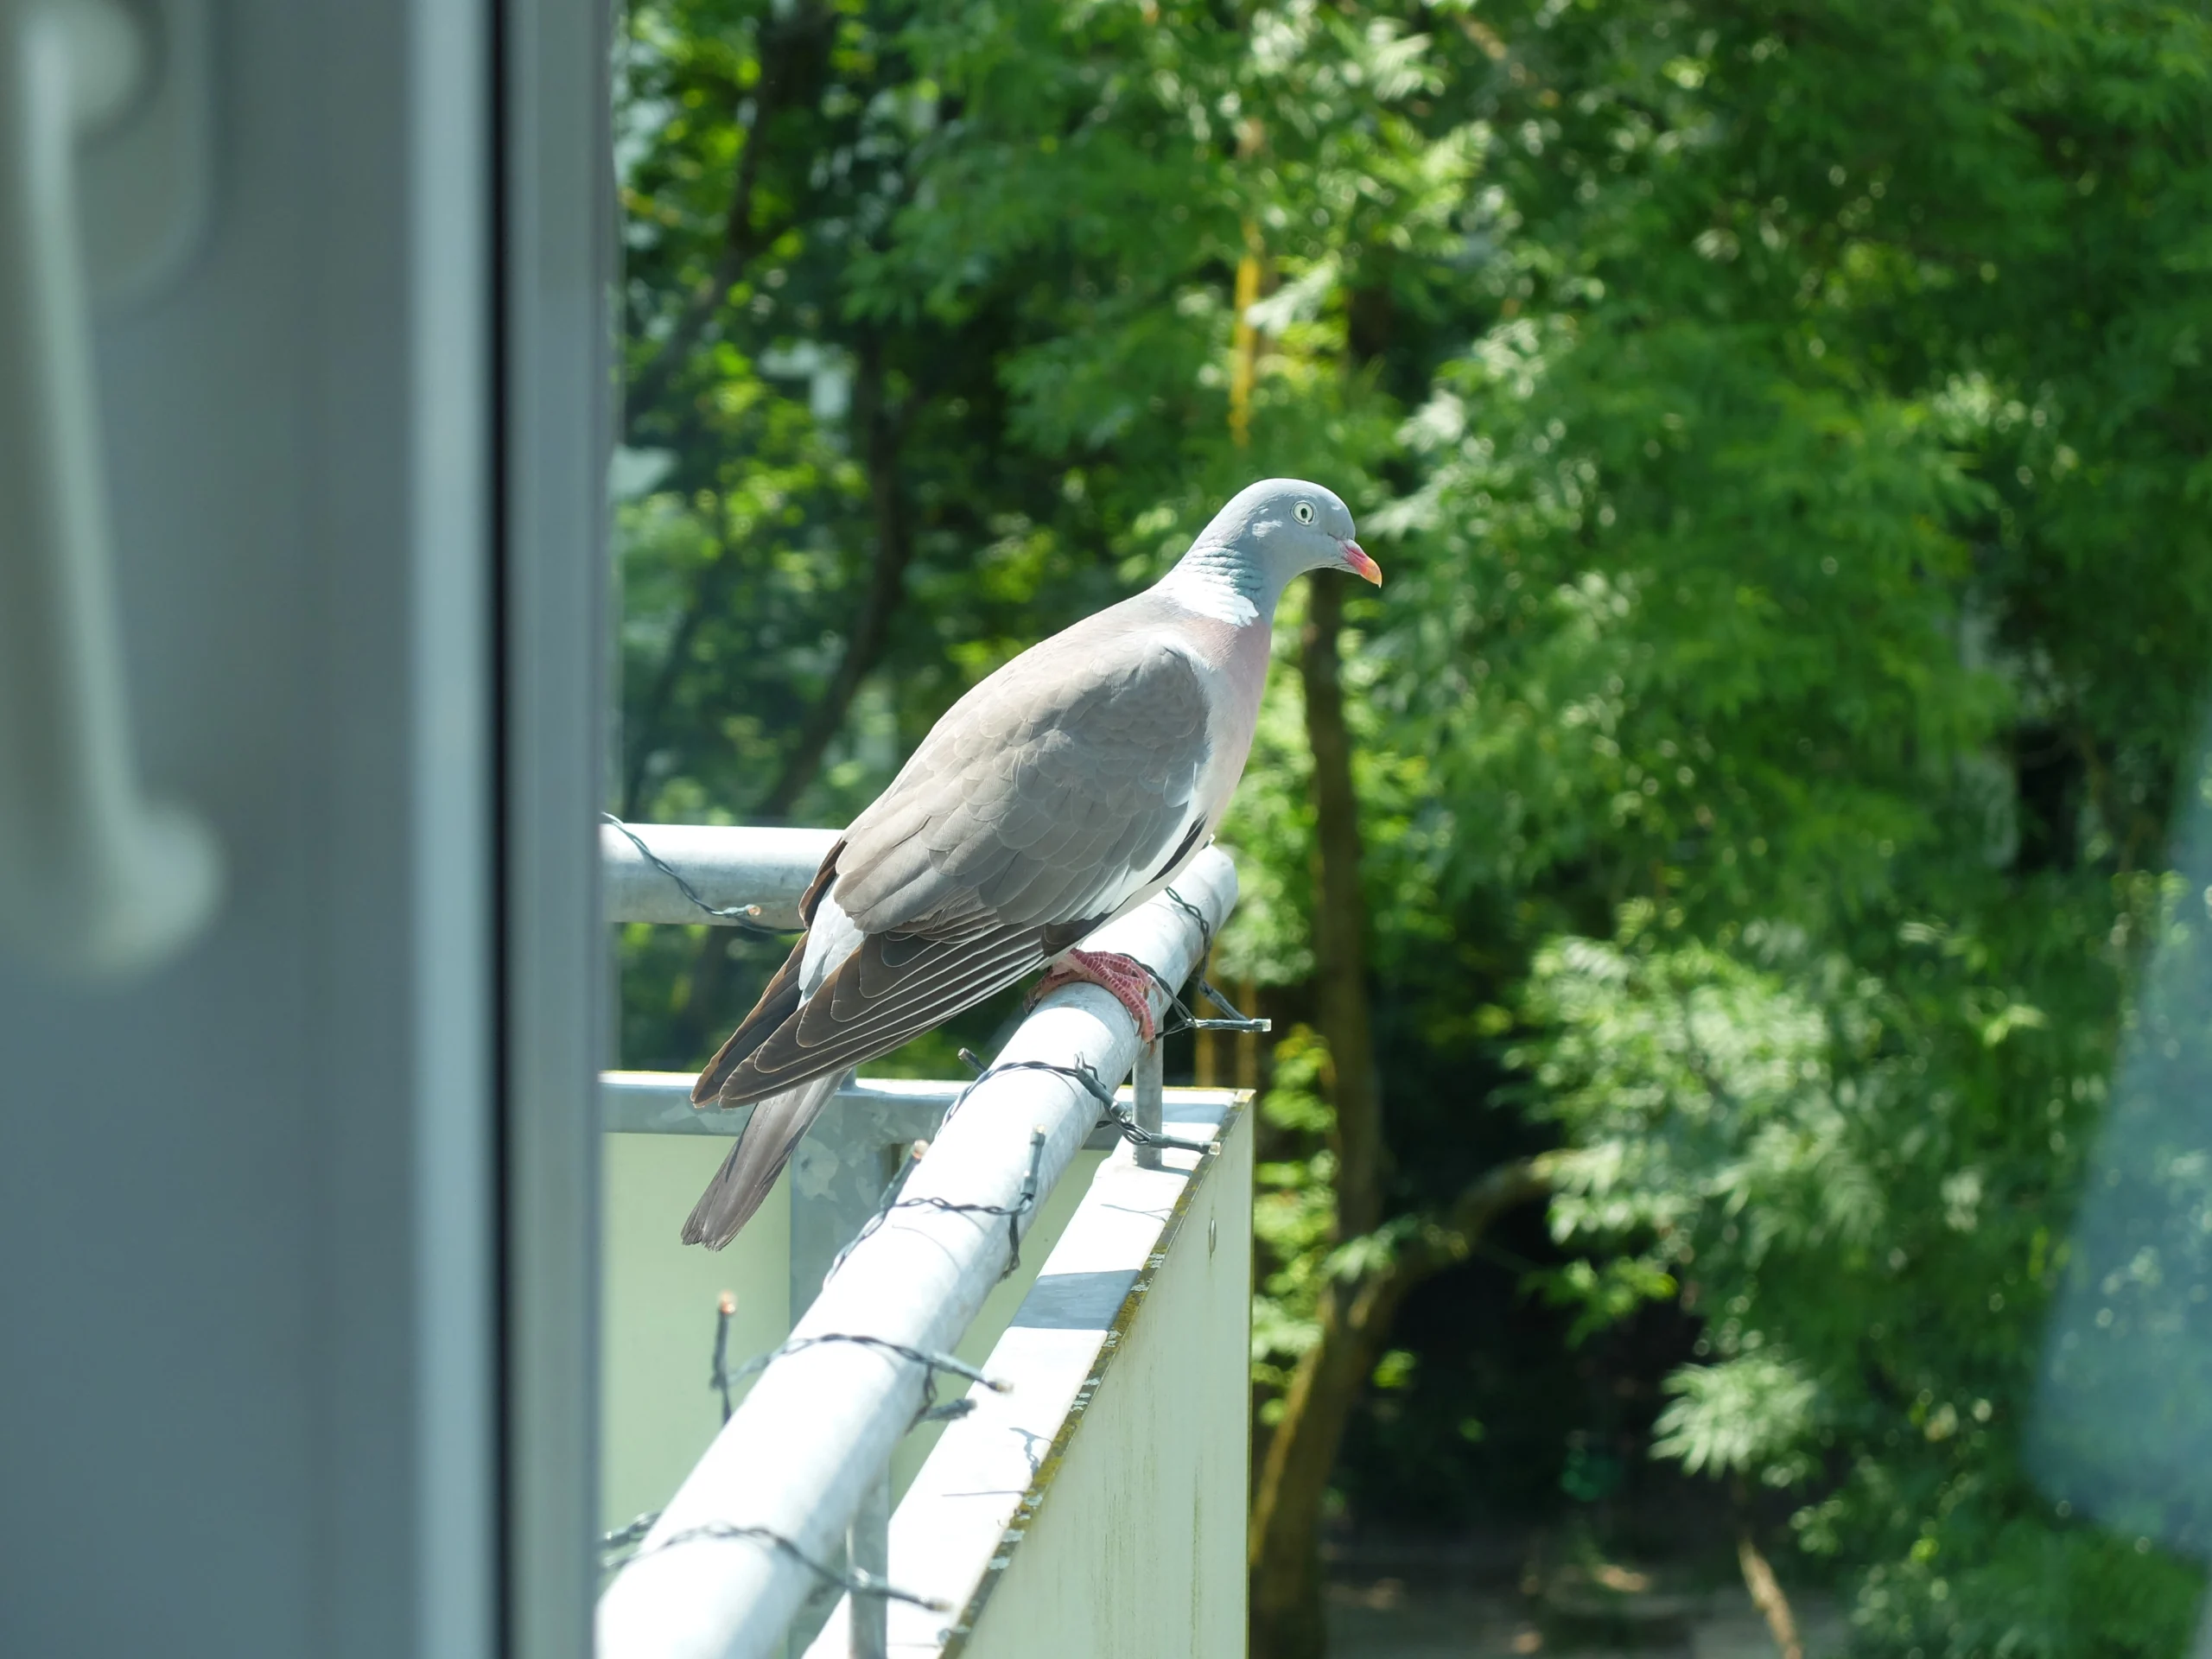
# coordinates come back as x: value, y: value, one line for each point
x: 1237, y: 1020
x: 739, y: 915
x: 923, y: 1356
x: 1124, y: 1125
x: 1205, y: 927
x: 623, y: 1537
x: 1186, y: 1021
x: 1137, y: 1135
x: 1087, y: 1076
x: 1021, y: 1206
x: 854, y: 1583
x: 931, y: 1364
x: 1080, y: 1073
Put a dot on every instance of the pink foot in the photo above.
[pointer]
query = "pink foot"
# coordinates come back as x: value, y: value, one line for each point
x: 1125, y: 977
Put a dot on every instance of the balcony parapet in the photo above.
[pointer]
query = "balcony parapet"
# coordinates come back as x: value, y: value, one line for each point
x: 726, y: 1567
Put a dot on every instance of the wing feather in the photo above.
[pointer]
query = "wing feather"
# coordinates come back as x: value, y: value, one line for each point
x: 848, y: 1021
x: 1039, y: 769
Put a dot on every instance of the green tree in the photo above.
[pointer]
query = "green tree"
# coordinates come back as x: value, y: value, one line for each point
x: 1812, y: 580
x: 1738, y: 817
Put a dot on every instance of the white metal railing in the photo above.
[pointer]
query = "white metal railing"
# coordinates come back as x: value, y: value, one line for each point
x: 799, y: 1472
x: 1097, y: 1506
x: 732, y: 875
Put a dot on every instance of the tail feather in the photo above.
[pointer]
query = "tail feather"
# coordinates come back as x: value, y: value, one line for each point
x: 770, y: 1137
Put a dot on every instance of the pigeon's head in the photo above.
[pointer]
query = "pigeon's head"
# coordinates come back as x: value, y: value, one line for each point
x: 1285, y: 526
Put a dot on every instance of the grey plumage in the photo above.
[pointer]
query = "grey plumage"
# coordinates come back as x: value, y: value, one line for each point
x: 1065, y: 789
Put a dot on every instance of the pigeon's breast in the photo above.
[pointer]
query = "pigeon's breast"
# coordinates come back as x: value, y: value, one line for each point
x: 1234, y: 661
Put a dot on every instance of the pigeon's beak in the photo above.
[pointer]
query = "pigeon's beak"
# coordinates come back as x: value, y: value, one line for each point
x: 1359, y: 564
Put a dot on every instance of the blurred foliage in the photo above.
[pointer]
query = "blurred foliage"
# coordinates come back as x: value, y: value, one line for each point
x: 1783, y: 428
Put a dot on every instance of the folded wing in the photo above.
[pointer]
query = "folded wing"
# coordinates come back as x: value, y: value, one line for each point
x: 1034, y: 810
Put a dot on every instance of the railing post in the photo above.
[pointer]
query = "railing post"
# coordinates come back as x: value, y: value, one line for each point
x: 867, y: 1548
x: 838, y: 1176
x: 1148, y: 1080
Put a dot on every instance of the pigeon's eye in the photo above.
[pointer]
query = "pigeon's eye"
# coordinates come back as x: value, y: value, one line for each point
x: 1305, y: 512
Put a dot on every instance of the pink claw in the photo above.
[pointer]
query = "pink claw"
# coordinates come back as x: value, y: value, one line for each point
x: 1124, y: 977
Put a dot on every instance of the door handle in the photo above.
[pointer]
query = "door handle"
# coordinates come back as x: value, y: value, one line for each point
x: 97, y: 880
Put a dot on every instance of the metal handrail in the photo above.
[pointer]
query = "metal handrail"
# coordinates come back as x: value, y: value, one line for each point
x: 718, y: 874
x: 727, y: 1565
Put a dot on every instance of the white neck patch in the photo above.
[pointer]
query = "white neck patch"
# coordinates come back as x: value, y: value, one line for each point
x: 1208, y: 591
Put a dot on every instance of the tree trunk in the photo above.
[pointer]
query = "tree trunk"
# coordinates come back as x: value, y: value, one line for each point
x: 1767, y: 1596
x: 885, y: 432
x: 1288, y: 1613
x: 641, y: 739
x: 1765, y: 1589
x: 792, y: 52
x: 1340, y: 921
